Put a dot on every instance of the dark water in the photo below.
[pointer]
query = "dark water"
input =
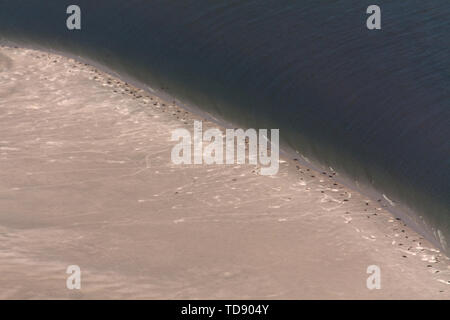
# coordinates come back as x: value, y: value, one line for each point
x: 374, y: 105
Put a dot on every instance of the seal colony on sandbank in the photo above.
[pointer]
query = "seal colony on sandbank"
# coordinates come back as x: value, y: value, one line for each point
x: 86, y: 179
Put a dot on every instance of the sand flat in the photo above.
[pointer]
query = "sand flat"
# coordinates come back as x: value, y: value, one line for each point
x: 86, y: 179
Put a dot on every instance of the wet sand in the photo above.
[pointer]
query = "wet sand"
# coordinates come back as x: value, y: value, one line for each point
x: 86, y: 179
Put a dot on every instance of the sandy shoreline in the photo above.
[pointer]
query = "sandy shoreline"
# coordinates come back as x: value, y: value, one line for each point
x: 86, y: 179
